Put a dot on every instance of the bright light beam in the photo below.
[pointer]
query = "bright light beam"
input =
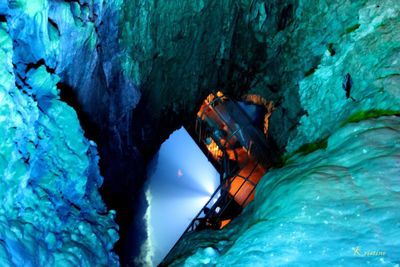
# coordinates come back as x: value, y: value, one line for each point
x: 180, y: 185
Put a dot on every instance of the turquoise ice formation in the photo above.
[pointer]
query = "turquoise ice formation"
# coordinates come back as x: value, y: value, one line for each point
x: 333, y: 207
x: 51, y: 213
x: 369, y: 51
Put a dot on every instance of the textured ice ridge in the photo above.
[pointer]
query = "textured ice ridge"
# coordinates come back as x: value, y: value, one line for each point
x: 51, y: 213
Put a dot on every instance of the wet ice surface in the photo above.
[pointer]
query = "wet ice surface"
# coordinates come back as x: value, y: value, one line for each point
x: 333, y: 207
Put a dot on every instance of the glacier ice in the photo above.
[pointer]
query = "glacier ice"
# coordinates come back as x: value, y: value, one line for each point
x: 333, y: 207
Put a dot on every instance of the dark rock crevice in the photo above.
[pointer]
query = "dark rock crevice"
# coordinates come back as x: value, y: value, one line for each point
x: 181, y: 59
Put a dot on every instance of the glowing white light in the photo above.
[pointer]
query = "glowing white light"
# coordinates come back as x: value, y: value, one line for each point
x: 210, y: 188
x: 147, y: 251
x: 181, y: 184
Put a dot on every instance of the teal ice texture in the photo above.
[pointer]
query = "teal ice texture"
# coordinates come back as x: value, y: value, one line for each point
x: 51, y: 213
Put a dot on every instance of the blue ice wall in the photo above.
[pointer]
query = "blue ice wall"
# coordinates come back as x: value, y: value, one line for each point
x: 337, y: 206
x: 51, y: 213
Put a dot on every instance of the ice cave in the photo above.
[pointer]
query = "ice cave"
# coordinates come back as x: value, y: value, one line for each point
x: 199, y: 133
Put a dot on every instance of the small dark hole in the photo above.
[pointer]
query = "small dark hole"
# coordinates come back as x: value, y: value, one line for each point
x: 331, y: 50
x: 38, y: 64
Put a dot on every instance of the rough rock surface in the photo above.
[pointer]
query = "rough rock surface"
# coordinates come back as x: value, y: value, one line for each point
x: 51, y: 212
x: 78, y: 41
x: 178, y: 52
x: 334, y: 207
x: 301, y: 53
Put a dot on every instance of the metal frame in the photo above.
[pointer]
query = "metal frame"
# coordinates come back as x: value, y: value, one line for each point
x: 199, y: 131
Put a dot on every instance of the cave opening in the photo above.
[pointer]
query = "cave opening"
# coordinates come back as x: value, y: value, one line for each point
x: 181, y: 181
x: 218, y: 181
x: 204, y: 177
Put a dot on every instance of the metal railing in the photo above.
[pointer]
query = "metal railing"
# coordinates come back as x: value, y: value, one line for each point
x: 209, y: 212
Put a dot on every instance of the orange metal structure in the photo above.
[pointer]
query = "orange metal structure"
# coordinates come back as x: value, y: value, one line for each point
x: 240, y: 152
x: 235, y: 144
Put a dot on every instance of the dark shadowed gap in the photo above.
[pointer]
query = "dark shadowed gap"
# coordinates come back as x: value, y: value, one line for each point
x: 38, y: 64
x: 68, y: 96
x: 130, y: 206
